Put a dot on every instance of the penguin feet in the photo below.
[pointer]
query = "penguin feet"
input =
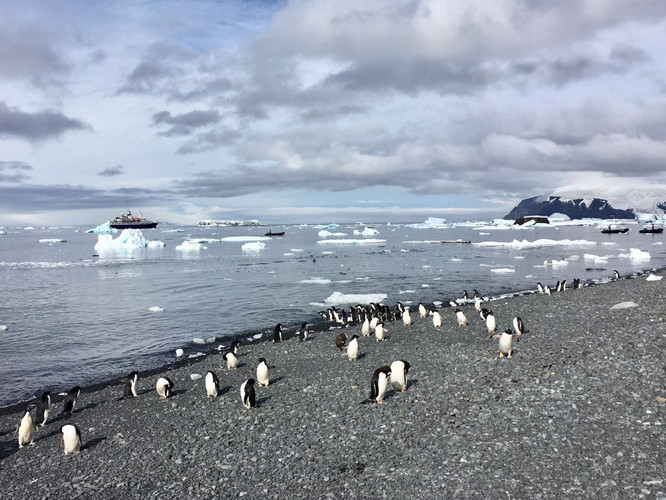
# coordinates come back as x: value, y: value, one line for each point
x: 501, y: 354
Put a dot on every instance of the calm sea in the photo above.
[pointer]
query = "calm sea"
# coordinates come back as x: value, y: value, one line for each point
x: 76, y: 316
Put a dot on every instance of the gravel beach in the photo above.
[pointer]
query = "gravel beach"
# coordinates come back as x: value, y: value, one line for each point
x: 577, y: 412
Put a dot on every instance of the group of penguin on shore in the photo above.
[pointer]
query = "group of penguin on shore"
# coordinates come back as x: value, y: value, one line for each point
x: 371, y: 318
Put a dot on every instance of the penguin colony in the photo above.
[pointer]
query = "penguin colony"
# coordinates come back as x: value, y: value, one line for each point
x: 368, y: 318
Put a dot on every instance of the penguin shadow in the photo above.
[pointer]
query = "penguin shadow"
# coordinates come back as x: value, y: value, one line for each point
x: 8, y: 448
x: 177, y: 392
x: 54, y: 432
x: 89, y: 406
x: 223, y: 390
x: 275, y: 380
x: 93, y: 442
x: 262, y: 401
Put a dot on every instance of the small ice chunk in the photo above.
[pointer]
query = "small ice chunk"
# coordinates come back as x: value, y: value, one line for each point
x: 651, y: 277
x: 624, y: 305
x: 503, y: 270
x: 558, y: 264
x: 4, y: 327
x: 195, y: 376
x: 155, y: 309
x: 197, y: 355
x: 179, y: 353
x: 253, y: 247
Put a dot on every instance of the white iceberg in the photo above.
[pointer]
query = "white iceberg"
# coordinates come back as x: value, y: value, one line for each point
x: 327, y: 234
x: 155, y: 309
x: 191, y: 246
x: 559, y: 264
x: 653, y: 277
x: 366, y: 231
x: 129, y: 239
x: 337, y: 298
x: 502, y: 270
x: 430, y: 223
x: 352, y: 242
x: 543, y: 242
x: 635, y: 254
x: 103, y: 229
x: 253, y: 247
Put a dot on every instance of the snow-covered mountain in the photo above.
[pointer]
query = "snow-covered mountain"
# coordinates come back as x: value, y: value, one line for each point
x: 578, y: 208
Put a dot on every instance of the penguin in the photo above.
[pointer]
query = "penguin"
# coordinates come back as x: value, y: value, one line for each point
x: 277, y: 333
x: 436, y: 318
x: 461, y: 318
x: 70, y: 400
x: 505, y: 342
x: 557, y: 286
x: 164, y: 385
x: 235, y: 344
x: 130, y: 385
x: 406, y: 318
x: 43, y: 409
x: 247, y: 394
x: 576, y: 284
x: 262, y: 373
x: 340, y: 341
x: 380, y: 332
x: 365, y: 328
x: 26, y: 430
x: 547, y: 290
x: 212, y: 385
x: 563, y: 286
x: 465, y: 297
x: 519, y: 326
x: 477, y: 303
x: 303, y: 332
x: 423, y: 312
x: 616, y: 275
x: 400, y: 307
x: 491, y: 324
x: 379, y: 383
x: 70, y: 437
x: 399, y: 370
x: 352, y: 348
x: 231, y: 359
x: 484, y: 314
x: 540, y: 288
x: 373, y: 321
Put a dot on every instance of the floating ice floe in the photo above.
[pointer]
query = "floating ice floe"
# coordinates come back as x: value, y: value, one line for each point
x: 297, y: 250
x: 195, y: 376
x: 179, y: 353
x: 337, y: 298
x: 327, y: 234
x: 543, y: 242
x: 625, y: 305
x: 651, y: 277
x: 155, y: 309
x: 352, y: 242
x: 430, y: 223
x: 191, y: 246
x: 253, y: 247
x: 635, y: 255
x: 178, y: 230
x: 103, y: 229
x: 4, y: 328
x: 503, y: 270
x: 129, y: 239
x: 200, y: 341
x: 316, y: 281
x: 559, y: 264
x: 52, y: 240
x: 240, y: 239
x: 597, y: 259
x: 366, y: 231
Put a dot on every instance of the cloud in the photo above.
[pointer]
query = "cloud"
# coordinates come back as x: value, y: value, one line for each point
x: 112, y: 171
x: 185, y: 123
x: 35, y: 127
x: 14, y: 171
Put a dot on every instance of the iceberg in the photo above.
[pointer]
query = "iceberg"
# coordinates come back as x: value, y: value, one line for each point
x: 327, y: 234
x: 352, y: 242
x: 430, y: 223
x: 191, y: 246
x: 651, y: 277
x: 337, y: 298
x: 366, y: 231
x: 543, y: 242
x: 103, y: 229
x: 503, y: 270
x: 636, y: 255
x: 253, y: 247
x: 558, y: 264
x: 129, y: 239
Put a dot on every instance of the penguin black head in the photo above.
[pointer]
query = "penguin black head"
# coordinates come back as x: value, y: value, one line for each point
x: 407, y: 365
x: 262, y: 360
x: 250, y: 382
x: 354, y: 336
x: 234, y: 346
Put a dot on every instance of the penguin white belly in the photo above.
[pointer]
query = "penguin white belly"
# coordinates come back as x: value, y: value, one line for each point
x: 461, y: 318
x: 262, y: 375
x: 505, y: 343
x: 71, y: 439
x: 398, y: 379
x: 436, y: 320
x: 211, y: 386
x: 379, y: 333
x: 490, y: 323
x: 422, y: 311
x: 382, y: 384
x: 352, y: 350
x: 407, y: 319
x: 26, y: 430
x: 374, y: 322
x: 232, y: 361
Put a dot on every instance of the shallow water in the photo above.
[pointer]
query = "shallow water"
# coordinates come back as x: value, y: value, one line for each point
x: 74, y: 318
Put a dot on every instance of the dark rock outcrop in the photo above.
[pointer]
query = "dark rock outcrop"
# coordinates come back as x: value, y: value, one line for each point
x: 574, y: 209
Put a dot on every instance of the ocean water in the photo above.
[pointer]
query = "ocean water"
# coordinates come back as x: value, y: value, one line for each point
x: 78, y: 316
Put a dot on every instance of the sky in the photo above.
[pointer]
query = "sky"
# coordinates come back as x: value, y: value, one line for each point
x: 324, y: 110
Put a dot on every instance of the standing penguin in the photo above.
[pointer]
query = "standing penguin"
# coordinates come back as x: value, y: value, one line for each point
x: 365, y: 328
x: 277, y: 333
x: 164, y: 386
x: 540, y: 288
x: 406, y: 318
x: 616, y: 275
x: 491, y: 324
x: 70, y: 400
x: 519, y: 326
x: 130, y: 385
x: 547, y: 290
x: 352, y: 348
x: 399, y: 370
x: 26, y: 430
x: 43, y: 409
x: 505, y: 343
x: 484, y: 314
x: 262, y: 373
x: 379, y: 383
x: 436, y: 318
x: 303, y: 332
x: 340, y: 341
x: 231, y: 359
x: 478, y: 301
x: 234, y: 347
x: 380, y: 332
x: 70, y: 438
x: 212, y: 385
x: 247, y: 394
x: 461, y: 318
x: 423, y: 312
x: 374, y: 321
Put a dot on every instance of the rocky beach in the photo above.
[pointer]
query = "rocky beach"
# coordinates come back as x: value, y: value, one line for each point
x: 577, y: 412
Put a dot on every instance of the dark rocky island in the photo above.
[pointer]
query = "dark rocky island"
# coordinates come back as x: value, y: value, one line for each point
x: 577, y: 208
